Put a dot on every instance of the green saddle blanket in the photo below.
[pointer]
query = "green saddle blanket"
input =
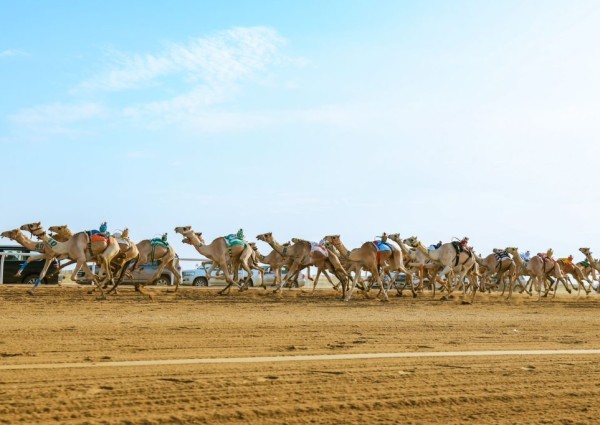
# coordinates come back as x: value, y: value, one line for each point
x: 585, y: 263
x: 232, y: 240
x: 159, y: 242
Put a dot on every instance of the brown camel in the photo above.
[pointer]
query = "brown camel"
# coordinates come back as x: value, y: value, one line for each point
x: 302, y: 255
x: 128, y: 254
x: 499, y: 265
x: 223, y: 256
x: 594, y: 264
x: 148, y: 252
x: 369, y: 258
x: 273, y: 259
x: 81, y: 249
x: 18, y: 236
x: 569, y: 268
x: 452, y: 259
x: 539, y: 269
x: 416, y: 260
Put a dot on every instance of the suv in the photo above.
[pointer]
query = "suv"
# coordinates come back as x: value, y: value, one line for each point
x: 197, y: 277
x: 13, y: 259
x: 140, y: 275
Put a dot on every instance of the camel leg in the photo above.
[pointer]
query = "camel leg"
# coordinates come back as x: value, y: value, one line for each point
x: 316, y: 279
x: 351, y: 288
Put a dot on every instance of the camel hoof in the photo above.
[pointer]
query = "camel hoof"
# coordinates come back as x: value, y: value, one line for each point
x: 30, y: 292
x: 414, y: 295
x: 463, y: 302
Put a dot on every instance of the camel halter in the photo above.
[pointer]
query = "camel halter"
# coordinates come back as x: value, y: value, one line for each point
x: 37, y: 231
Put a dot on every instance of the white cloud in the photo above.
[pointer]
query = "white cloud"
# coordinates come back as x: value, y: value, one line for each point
x: 56, y: 118
x: 227, y: 56
x: 12, y: 53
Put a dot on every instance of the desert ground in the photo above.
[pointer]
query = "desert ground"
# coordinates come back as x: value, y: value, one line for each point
x: 256, y: 357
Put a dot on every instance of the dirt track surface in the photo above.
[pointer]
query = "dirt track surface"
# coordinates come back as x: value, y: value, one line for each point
x: 66, y: 325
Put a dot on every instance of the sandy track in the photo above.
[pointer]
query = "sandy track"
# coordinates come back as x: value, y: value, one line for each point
x: 315, y: 358
x: 65, y: 325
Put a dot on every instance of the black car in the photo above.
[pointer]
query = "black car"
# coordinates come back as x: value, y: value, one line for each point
x: 13, y: 259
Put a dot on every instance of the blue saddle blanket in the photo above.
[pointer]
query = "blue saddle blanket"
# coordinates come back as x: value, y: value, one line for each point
x: 381, y: 246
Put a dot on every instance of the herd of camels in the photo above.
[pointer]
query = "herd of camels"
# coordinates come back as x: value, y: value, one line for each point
x: 378, y: 264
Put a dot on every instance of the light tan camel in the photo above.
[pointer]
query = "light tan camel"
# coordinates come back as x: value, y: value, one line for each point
x: 451, y: 259
x: 416, y: 260
x: 594, y: 264
x: 500, y: 266
x: 367, y: 257
x: 149, y: 252
x: 128, y: 253
x: 253, y: 263
x: 539, y: 269
x: 223, y: 256
x: 302, y: 255
x: 81, y: 249
x: 273, y: 259
x: 567, y: 268
x: 18, y: 236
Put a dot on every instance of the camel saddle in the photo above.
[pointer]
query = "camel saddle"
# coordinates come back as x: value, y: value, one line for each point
x: 547, y: 260
x: 96, y: 236
x: 502, y: 255
x: 458, y: 247
x: 233, y: 240
x: 585, y: 263
x: 381, y: 247
x: 322, y: 249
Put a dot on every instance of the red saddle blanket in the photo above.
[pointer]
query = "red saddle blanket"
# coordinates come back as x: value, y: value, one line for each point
x: 98, y: 238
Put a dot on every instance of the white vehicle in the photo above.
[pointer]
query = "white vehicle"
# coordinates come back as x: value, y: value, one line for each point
x: 198, y: 277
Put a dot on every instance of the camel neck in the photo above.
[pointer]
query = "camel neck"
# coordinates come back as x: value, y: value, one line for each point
x: 343, y: 250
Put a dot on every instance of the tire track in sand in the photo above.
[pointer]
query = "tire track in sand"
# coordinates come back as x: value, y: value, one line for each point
x: 316, y: 357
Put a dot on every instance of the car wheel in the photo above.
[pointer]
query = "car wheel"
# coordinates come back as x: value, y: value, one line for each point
x: 30, y: 279
x: 162, y: 281
x: 200, y: 281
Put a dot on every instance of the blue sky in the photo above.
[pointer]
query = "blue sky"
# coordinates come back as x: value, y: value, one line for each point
x: 436, y: 119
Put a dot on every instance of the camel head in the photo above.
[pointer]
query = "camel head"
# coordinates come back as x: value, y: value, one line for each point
x: 34, y: 228
x: 59, y: 229
x: 395, y: 237
x: 125, y: 233
x: 585, y: 251
x: 253, y: 246
x: 512, y: 250
x: 332, y: 239
x: 412, y: 241
x: 266, y: 237
x: 11, y: 234
x: 184, y: 230
x: 187, y: 241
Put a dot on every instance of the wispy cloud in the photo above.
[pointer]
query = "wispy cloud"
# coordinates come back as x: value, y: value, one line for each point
x: 182, y: 82
x: 227, y: 56
x: 55, y: 118
x: 7, y: 53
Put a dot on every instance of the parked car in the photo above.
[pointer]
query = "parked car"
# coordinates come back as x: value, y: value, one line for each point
x: 141, y: 275
x: 197, y: 277
x: 270, y: 276
x: 14, y: 258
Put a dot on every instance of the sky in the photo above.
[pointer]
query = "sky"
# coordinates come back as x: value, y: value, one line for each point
x: 432, y: 119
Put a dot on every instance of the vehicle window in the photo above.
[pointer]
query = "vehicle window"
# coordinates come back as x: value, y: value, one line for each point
x: 13, y: 255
